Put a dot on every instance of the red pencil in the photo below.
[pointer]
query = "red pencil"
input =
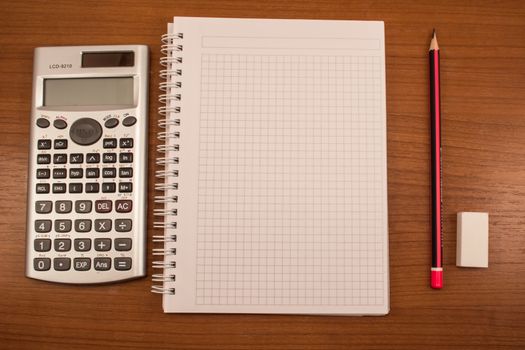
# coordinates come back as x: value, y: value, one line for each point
x: 436, y: 270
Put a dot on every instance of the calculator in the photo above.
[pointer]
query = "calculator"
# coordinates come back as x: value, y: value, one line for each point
x: 87, y: 181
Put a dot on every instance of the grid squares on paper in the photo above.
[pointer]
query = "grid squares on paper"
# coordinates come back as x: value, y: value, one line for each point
x: 291, y: 181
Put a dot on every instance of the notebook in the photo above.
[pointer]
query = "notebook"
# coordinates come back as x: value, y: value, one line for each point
x: 272, y: 191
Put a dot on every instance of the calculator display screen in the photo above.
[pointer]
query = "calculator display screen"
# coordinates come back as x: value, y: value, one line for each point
x: 88, y: 91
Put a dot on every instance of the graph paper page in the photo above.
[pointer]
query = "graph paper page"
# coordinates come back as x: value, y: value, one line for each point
x: 282, y: 198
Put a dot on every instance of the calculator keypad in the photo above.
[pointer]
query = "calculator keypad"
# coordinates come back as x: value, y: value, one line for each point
x: 84, y: 190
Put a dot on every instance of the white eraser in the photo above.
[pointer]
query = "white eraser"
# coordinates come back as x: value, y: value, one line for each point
x: 473, y: 240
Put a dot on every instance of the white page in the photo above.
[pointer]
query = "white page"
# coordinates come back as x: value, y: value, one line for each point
x: 282, y: 198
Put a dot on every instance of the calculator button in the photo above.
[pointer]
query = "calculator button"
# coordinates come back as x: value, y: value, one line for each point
x: 111, y: 123
x: 60, y: 144
x: 82, y: 244
x: 61, y: 264
x: 63, y: 206
x: 44, y: 144
x: 41, y: 264
x: 59, y: 188
x: 62, y: 225
x: 60, y: 124
x: 123, y: 225
x: 76, y: 173
x: 82, y: 225
x: 110, y: 143
x: 122, y: 264
x: 75, y: 188
x: 102, y: 264
x: 62, y: 245
x: 43, y: 173
x: 123, y: 244
x: 42, y: 225
x: 103, y: 206
x: 83, y: 207
x: 82, y: 264
x: 92, y: 173
x: 42, y: 245
x: 42, y: 123
x: 126, y: 143
x: 125, y: 172
x: 76, y: 158
x: 109, y: 158
x: 92, y: 187
x: 85, y: 131
x: 109, y: 187
x: 93, y: 158
x: 129, y: 121
x: 59, y: 173
x: 109, y: 172
x: 60, y: 158
x: 102, y: 225
x: 43, y: 159
x: 126, y: 157
x: 125, y: 187
x: 102, y: 244
x: 42, y: 188
x: 123, y: 206
x: 43, y: 207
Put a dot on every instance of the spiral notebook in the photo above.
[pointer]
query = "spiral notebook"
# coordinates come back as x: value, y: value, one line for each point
x: 273, y: 188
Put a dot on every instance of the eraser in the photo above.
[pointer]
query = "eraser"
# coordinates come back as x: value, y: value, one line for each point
x: 472, y: 240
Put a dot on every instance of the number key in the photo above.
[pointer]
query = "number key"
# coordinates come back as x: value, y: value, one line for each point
x: 83, y: 207
x: 42, y: 226
x: 62, y: 225
x: 62, y: 245
x: 42, y: 245
x: 82, y: 244
x: 63, y: 207
x: 43, y: 207
x: 41, y: 264
x: 82, y: 225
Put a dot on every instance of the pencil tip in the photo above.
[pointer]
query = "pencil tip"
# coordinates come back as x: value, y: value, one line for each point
x: 433, y: 32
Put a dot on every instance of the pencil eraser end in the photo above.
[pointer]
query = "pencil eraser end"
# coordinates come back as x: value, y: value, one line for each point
x: 472, y: 240
x: 436, y: 279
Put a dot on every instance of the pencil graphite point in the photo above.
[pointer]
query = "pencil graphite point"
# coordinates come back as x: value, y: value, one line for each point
x: 433, y: 41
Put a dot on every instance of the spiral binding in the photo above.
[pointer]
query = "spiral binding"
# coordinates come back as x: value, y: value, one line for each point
x: 166, y: 161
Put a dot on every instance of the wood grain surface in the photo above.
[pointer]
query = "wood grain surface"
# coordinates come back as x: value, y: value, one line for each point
x: 483, y: 88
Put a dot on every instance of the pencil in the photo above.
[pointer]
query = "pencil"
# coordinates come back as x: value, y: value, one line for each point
x: 436, y: 270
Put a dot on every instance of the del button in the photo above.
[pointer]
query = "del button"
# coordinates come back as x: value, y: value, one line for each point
x: 103, y: 206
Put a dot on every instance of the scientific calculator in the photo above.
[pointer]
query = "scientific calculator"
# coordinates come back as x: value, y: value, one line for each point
x: 87, y: 181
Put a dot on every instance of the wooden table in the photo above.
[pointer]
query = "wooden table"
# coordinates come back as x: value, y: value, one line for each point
x: 483, y: 89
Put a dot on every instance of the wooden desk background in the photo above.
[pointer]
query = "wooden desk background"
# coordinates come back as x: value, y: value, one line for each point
x: 483, y: 83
